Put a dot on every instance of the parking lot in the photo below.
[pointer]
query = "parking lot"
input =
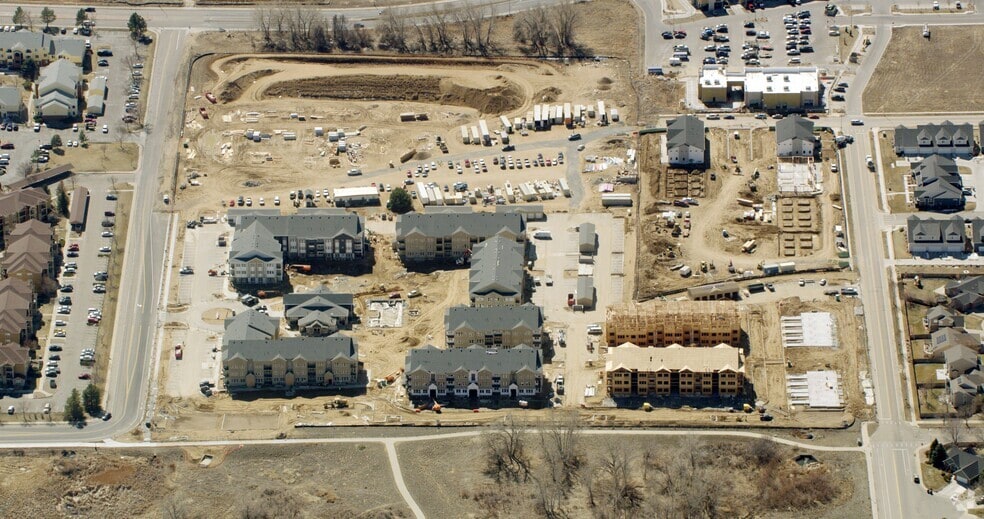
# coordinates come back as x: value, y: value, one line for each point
x: 25, y: 140
x: 765, y: 28
x: 558, y: 258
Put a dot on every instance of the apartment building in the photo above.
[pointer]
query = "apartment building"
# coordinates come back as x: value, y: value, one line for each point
x: 15, y: 361
x: 20, y: 46
x: 59, y: 90
x: 255, y: 258
x: 662, y: 323
x: 473, y: 372
x: 686, y: 144
x: 20, y: 206
x: 497, y: 276
x: 452, y: 236
x: 794, y: 137
x: 946, y: 138
x: 494, y: 327
x: 674, y: 370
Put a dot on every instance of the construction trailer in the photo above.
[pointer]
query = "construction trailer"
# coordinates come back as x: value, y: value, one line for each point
x: 483, y: 128
x: 506, y: 125
x: 537, y: 118
x: 602, y: 114
x: 465, y: 139
x: 568, y: 115
x: 476, y: 137
x: 616, y: 199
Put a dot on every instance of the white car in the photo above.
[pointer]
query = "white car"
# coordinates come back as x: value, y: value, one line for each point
x: 105, y: 128
x: 262, y: 202
x: 107, y: 234
x: 276, y: 200
x: 105, y: 249
x: 59, y: 322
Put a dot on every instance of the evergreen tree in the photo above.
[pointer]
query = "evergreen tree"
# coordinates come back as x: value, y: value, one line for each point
x: 74, y: 413
x: 80, y: 17
x: 137, y: 26
x: 91, y: 397
x: 47, y: 16
x: 61, y: 200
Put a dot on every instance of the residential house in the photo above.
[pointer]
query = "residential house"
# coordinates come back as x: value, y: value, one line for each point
x: 944, y: 339
x: 926, y: 139
x: 11, y: 104
x: 685, y: 141
x: 473, y: 372
x: 794, y: 137
x: 21, y: 206
x: 318, y: 312
x: 965, y: 388
x: 940, y: 316
x: 662, y: 323
x: 315, y: 235
x: 966, y: 295
x: 977, y: 235
x: 936, y: 235
x: 494, y: 327
x: 291, y: 363
x: 960, y: 361
x: 964, y: 466
x: 674, y: 370
x: 17, y: 47
x: 15, y: 361
x: 452, y: 236
x: 938, y: 186
x: 58, y: 91
x: 255, y: 257
x: 497, y: 276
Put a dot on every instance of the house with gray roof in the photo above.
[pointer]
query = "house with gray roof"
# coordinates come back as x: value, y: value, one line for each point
x: 794, y: 137
x: 935, y: 235
x: 473, y: 372
x: 318, y: 312
x: 19, y: 46
x: 940, y: 316
x: 926, y: 139
x: 58, y: 91
x: 452, y: 237
x: 964, y: 466
x: 960, y: 361
x: 255, y: 257
x: 11, y: 104
x: 938, y: 186
x: 291, y: 363
x: 685, y: 141
x: 497, y: 276
x: 494, y: 327
x: 250, y: 325
x: 966, y: 295
x: 977, y: 235
x: 965, y: 388
x: 95, y: 101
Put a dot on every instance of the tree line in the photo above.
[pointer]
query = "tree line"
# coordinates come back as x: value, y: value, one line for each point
x: 466, y: 31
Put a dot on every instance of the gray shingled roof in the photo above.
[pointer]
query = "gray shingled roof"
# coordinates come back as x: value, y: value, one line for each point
x: 311, y: 348
x: 494, y: 318
x: 254, y: 241
x: 794, y: 127
x: 473, y: 358
x: 497, y: 266
x: 963, y: 464
x: 297, y: 306
x: 933, y: 230
x: 936, y: 168
x: 62, y: 76
x: 447, y: 224
x: 687, y: 130
x: 250, y: 325
x: 909, y: 137
x: 308, y: 224
x: 10, y: 97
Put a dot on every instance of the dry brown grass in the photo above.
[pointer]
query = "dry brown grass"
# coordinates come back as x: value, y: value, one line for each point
x: 919, y: 74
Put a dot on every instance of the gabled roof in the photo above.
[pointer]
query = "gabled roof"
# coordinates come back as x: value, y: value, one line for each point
x: 430, y: 359
x: 32, y: 263
x: 13, y: 354
x: 963, y: 464
x: 935, y: 230
x: 448, y: 224
x: 309, y: 224
x: 497, y: 267
x: 944, y: 316
x: 795, y: 127
x: 960, y: 359
x: 61, y: 76
x: 936, y: 167
x: 254, y: 241
x: 909, y: 137
x: 12, y: 321
x: 685, y: 130
x: 494, y: 318
x: 675, y: 358
x: 977, y: 231
x: 250, y: 325
x: 10, y: 98
x: 312, y: 349
x: 327, y: 319
x: 946, y: 338
x: 68, y: 47
x: 33, y: 227
x: 18, y: 287
x: 13, y: 202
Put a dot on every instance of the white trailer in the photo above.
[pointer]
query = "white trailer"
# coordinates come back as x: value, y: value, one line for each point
x: 568, y: 115
x: 614, y: 115
x: 510, y: 193
x: 558, y: 115
x: 564, y: 188
x: 438, y: 196
x: 422, y: 194
x: 530, y: 122
x: 464, y: 135
x: 591, y: 112
x: 578, y: 114
x: 475, y: 136
x: 616, y: 199
x: 504, y: 137
x: 537, y: 119
x: 506, y: 125
x: 526, y: 192
x: 483, y: 128
x: 602, y: 114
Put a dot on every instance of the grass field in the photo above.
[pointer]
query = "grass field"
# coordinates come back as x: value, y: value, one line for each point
x: 919, y: 74
x: 110, y: 156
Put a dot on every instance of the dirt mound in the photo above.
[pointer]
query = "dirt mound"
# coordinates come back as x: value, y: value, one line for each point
x: 233, y: 89
x: 503, y: 97
x: 547, y: 95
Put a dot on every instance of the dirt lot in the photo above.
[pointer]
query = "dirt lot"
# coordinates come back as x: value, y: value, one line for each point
x: 458, y: 488
x: 702, y: 236
x: 917, y: 74
x: 268, y: 481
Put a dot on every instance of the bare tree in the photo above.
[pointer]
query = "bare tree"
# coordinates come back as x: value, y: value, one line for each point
x: 560, y: 446
x: 617, y: 493
x: 565, y: 21
x: 393, y: 32
x: 174, y: 509
x: 341, y: 32
x: 506, y: 456
x: 532, y: 30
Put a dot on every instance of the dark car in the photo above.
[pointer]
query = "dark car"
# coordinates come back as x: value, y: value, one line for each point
x: 107, y: 417
x: 837, y: 97
x: 749, y: 25
x: 7, y: 146
x: 750, y: 32
x: 667, y: 35
x: 55, y: 347
x: 67, y: 288
x: 104, y: 52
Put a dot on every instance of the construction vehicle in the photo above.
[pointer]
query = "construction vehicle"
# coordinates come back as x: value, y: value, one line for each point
x: 213, y: 272
x: 202, y: 111
x: 267, y: 293
x: 211, y: 98
x: 299, y: 268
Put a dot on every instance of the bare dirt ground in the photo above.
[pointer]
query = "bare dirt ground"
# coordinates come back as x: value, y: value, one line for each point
x: 457, y: 487
x: 281, y: 481
x: 918, y: 74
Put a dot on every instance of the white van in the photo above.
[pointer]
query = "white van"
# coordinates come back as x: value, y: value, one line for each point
x: 542, y: 235
x: 674, y: 62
